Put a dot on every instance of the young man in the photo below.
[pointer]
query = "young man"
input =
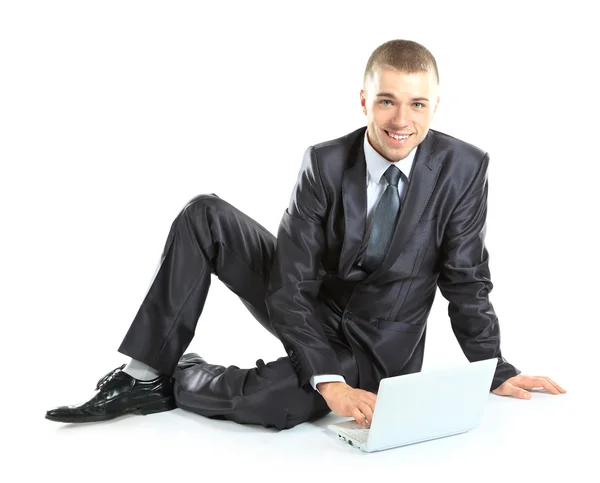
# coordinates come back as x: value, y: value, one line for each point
x: 377, y: 220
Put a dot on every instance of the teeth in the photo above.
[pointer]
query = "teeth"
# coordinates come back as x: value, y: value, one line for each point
x: 398, y: 138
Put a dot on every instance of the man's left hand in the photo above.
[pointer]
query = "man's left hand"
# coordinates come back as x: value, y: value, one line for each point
x: 516, y: 386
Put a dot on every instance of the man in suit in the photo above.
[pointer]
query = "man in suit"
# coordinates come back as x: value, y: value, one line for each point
x: 377, y: 220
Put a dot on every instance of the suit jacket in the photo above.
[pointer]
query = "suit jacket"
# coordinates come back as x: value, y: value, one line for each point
x: 319, y: 298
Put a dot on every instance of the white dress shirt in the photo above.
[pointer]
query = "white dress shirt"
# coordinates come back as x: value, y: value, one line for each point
x: 375, y: 185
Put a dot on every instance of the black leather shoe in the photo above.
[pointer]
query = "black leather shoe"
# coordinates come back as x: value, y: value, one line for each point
x: 119, y: 394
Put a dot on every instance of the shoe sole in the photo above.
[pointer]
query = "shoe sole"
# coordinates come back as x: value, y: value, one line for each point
x: 167, y: 404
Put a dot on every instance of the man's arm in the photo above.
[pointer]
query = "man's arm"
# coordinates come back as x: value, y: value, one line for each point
x: 465, y: 279
x: 294, y: 283
x: 291, y: 297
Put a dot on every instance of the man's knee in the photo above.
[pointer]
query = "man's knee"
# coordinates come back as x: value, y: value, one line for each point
x: 203, y: 201
x: 273, y: 389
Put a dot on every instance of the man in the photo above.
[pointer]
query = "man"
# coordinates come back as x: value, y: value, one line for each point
x: 377, y: 220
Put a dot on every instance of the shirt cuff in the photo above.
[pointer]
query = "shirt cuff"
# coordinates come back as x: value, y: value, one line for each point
x: 314, y: 380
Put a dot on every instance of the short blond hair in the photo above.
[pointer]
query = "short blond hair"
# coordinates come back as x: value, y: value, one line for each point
x: 403, y: 56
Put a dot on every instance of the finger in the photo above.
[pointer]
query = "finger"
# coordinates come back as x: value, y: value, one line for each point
x: 358, y: 416
x: 542, y: 382
x: 548, y: 385
x: 557, y: 386
x: 514, y: 391
x: 367, y: 411
x: 371, y: 398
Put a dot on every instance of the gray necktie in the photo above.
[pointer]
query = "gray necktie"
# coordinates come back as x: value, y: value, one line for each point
x: 384, y: 221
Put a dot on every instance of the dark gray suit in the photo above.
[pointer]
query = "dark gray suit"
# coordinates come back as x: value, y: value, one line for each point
x: 307, y: 288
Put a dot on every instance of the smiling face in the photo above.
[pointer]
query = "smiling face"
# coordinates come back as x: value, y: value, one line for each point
x: 399, y: 107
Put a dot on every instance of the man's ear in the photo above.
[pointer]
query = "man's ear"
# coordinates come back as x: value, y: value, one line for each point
x: 363, y: 101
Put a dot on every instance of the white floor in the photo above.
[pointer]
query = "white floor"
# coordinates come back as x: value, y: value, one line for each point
x: 548, y: 436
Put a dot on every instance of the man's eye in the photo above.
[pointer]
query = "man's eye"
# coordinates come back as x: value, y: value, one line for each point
x: 418, y: 105
x: 386, y: 102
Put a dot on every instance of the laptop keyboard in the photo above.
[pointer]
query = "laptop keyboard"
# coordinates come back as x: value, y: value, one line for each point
x: 359, y: 434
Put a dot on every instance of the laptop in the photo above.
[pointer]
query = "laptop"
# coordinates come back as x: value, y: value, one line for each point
x: 427, y: 405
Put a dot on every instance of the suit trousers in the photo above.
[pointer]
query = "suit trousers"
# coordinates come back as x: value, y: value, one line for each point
x: 210, y: 236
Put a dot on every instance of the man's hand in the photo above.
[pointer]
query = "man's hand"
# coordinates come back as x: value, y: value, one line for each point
x: 344, y: 400
x: 515, y: 386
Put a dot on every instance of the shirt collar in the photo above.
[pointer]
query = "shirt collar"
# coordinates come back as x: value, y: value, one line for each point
x: 377, y: 164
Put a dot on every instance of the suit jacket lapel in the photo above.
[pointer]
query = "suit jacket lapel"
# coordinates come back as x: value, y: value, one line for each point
x: 354, y: 198
x: 421, y: 184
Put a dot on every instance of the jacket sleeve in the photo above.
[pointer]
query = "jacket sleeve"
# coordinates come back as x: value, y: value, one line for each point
x: 465, y: 279
x: 294, y: 282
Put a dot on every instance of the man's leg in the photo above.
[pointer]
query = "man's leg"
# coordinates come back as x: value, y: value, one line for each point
x: 208, y: 236
x: 240, y: 252
x: 211, y: 236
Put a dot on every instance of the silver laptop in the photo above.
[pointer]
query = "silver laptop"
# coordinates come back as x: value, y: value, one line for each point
x: 423, y: 406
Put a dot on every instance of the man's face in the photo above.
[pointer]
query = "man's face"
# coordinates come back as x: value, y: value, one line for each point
x: 397, y: 105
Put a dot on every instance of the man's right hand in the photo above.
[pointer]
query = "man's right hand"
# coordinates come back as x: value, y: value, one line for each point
x: 345, y: 400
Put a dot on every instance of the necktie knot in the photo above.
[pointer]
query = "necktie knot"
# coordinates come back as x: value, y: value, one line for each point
x: 392, y: 174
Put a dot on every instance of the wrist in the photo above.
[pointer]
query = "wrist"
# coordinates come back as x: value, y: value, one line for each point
x: 325, y: 387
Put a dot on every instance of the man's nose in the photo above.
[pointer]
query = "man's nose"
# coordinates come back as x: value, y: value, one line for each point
x: 400, y: 116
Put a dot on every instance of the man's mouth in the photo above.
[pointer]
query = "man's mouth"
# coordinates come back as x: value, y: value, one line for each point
x: 399, y: 138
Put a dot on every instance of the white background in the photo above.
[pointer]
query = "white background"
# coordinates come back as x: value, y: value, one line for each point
x: 114, y: 114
